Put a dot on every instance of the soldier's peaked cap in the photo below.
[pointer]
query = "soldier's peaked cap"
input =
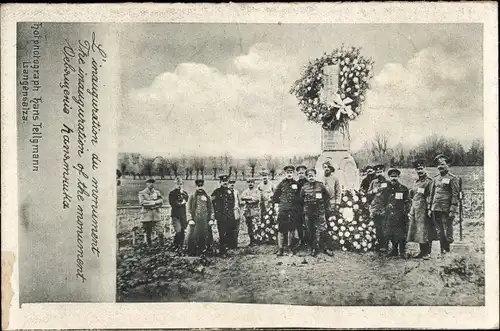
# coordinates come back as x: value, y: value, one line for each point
x: 301, y: 167
x: 250, y: 180
x: 311, y: 170
x: 368, y: 167
x: 418, y: 164
x: 232, y: 181
x: 441, y: 157
x: 150, y: 180
x: 199, y: 182
x: 289, y: 167
x: 379, y: 167
x: 223, y: 177
x: 393, y: 171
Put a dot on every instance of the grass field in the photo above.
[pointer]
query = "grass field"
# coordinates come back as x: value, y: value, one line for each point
x: 472, y: 179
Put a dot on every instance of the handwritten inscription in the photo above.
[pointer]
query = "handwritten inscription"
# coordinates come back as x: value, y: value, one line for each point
x: 82, y: 61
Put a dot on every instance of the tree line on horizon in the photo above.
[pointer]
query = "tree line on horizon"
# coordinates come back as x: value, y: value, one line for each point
x: 377, y: 151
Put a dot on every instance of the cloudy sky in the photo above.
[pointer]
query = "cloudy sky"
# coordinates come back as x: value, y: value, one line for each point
x: 215, y: 88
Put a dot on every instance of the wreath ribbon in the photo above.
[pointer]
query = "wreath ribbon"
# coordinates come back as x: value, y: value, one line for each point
x: 342, y: 105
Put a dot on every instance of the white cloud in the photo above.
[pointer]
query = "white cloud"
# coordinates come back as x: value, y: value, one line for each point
x: 429, y: 94
x: 199, y: 109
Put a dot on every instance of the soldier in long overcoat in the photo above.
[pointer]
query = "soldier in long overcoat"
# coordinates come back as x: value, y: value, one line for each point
x: 237, y: 214
x: 379, y: 193
x: 151, y: 200
x: 398, y: 206
x: 421, y: 230
x: 223, y: 201
x: 444, y: 202
x: 199, y: 213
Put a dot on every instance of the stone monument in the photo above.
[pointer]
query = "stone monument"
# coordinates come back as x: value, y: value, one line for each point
x: 335, y: 144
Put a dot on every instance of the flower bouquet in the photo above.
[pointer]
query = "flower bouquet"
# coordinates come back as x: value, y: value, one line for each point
x: 350, y: 226
x: 266, y: 228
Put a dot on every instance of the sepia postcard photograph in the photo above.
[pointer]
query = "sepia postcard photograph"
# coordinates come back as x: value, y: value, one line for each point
x: 228, y: 132
x: 272, y: 164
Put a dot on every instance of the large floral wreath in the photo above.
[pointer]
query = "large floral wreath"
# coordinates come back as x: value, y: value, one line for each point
x: 354, y: 74
x: 350, y: 226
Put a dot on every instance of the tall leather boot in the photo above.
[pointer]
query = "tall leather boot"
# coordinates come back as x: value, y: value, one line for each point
x: 423, y: 251
x: 394, y: 251
x: 402, y: 248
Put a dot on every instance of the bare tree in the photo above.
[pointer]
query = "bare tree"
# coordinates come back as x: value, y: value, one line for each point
x: 190, y: 166
x: 123, y: 163
x: 214, y: 165
x: 199, y: 166
x: 380, y: 148
x: 162, y: 165
x: 148, y: 166
x: 174, y: 165
x: 252, y: 162
x: 271, y: 164
x: 475, y: 154
x: 136, y: 164
x: 237, y: 167
x: 228, y: 162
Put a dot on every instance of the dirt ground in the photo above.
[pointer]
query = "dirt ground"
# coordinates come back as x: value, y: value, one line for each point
x: 257, y: 275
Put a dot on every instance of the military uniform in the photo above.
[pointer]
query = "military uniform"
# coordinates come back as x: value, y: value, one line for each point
x: 332, y: 184
x: 398, y: 206
x: 301, y: 228
x: 444, y: 200
x: 420, y: 228
x: 251, y: 209
x: 379, y: 193
x: 286, y: 196
x: 178, y: 200
x: 315, y: 199
x: 151, y: 201
x: 223, y: 202
x: 365, y: 183
x: 200, y: 212
x: 237, y: 217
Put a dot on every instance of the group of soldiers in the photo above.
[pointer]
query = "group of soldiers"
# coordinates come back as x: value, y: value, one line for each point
x: 422, y: 214
x: 303, y: 204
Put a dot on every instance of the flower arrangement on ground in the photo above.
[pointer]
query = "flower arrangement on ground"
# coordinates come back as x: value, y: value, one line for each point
x: 350, y: 226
